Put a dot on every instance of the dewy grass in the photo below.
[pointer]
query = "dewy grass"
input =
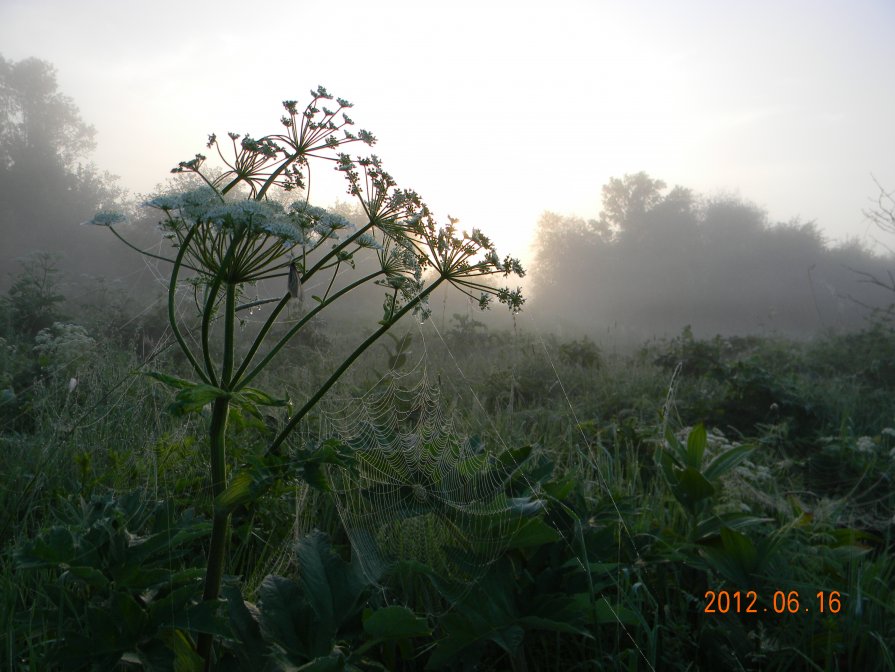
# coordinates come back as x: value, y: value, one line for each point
x: 223, y: 244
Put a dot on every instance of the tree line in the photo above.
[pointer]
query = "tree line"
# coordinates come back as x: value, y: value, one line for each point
x: 657, y: 260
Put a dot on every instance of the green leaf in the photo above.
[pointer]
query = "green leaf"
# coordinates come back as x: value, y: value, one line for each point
x: 244, y: 626
x: 513, y: 458
x: 691, y: 487
x: 396, y: 622
x: 171, y: 381
x: 739, y: 546
x: 614, y: 613
x: 736, y: 558
x: 696, y: 442
x: 727, y: 461
x: 331, y: 586
x: 560, y: 488
x: 678, y: 452
x: 195, y: 398
x: 286, y: 619
x: 333, y: 662
x: 311, y: 463
x: 712, y: 526
x: 128, y: 615
x: 91, y: 576
x: 206, y: 616
x: 49, y: 549
x: 185, y: 657
x: 533, y: 532
x: 244, y: 487
x: 253, y: 396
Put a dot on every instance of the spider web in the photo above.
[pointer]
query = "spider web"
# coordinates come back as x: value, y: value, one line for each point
x: 418, y: 491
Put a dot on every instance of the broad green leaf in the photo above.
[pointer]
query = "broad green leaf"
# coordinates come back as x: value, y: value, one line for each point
x: 678, y: 452
x: 735, y: 521
x: 329, y: 586
x: 691, y: 487
x: 333, y: 662
x: 560, y: 488
x: 171, y: 381
x: 735, y: 559
x: 286, y: 618
x: 253, y: 396
x: 162, y: 544
x: 739, y: 546
x: 206, y: 616
x: 727, y: 461
x: 185, y: 657
x: 696, y: 442
x: 129, y: 616
x: 513, y: 458
x: 192, y: 399
x: 55, y: 547
x: 311, y: 462
x: 245, y: 486
x: 247, y: 416
x: 244, y: 626
x: 533, y: 532
x: 395, y: 622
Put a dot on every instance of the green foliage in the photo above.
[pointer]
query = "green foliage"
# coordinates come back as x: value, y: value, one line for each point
x: 620, y: 528
x: 584, y: 353
x: 33, y: 301
x: 114, y: 589
x: 467, y: 331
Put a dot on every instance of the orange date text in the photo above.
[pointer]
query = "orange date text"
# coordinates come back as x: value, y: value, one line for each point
x: 782, y: 602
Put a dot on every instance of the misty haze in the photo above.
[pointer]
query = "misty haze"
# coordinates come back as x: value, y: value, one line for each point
x: 565, y: 341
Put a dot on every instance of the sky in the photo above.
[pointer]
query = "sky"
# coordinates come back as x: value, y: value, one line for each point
x: 497, y: 111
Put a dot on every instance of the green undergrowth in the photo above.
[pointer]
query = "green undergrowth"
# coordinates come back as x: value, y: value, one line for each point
x: 648, y: 485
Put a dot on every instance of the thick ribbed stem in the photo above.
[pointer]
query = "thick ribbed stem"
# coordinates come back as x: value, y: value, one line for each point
x: 217, y: 551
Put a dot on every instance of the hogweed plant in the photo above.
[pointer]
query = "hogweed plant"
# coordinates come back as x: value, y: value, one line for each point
x: 223, y: 243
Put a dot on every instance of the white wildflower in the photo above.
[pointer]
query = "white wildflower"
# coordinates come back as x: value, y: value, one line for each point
x: 196, y: 203
x: 284, y: 230
x: 367, y: 240
x: 166, y: 203
x: 105, y: 218
x: 865, y: 444
x: 62, y: 346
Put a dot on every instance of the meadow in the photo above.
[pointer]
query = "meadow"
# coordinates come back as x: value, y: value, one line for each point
x: 685, y: 504
x: 242, y: 473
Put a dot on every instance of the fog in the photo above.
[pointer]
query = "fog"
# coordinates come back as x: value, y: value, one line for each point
x: 718, y: 169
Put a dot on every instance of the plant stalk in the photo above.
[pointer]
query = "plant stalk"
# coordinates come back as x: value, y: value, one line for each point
x: 217, y: 551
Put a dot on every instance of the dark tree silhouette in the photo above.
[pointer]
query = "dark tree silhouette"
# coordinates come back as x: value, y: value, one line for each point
x: 655, y: 262
x: 46, y: 185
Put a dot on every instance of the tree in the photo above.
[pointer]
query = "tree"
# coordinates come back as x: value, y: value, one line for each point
x: 658, y: 261
x: 626, y: 201
x: 883, y: 216
x: 562, y: 245
x: 45, y: 181
x: 36, y: 120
